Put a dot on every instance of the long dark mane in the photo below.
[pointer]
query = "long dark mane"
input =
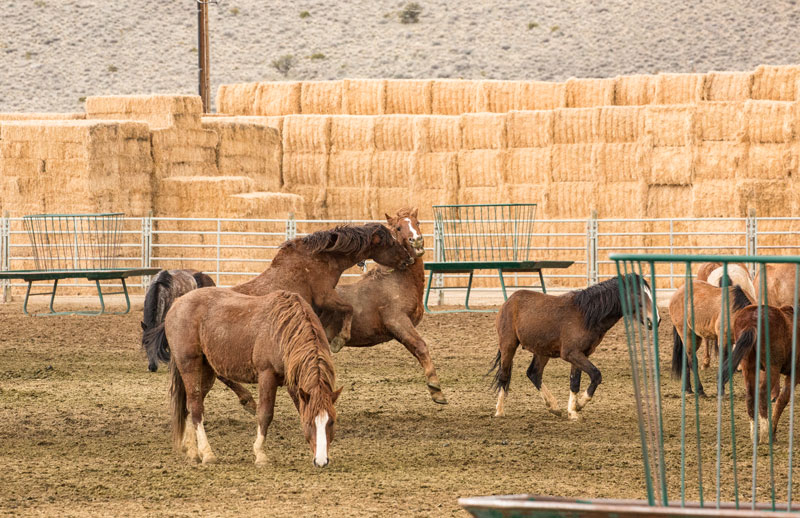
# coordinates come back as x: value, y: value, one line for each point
x: 153, y: 314
x: 601, y: 302
x: 344, y: 239
x: 740, y: 298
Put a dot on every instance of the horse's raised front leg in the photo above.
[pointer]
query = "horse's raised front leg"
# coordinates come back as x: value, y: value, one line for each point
x: 333, y: 302
x: 581, y: 362
x: 267, y: 386
x: 534, y: 373
x: 244, y: 395
x: 404, y: 332
x: 574, y: 387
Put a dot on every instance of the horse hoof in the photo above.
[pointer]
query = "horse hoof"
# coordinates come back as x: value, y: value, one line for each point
x: 336, y: 344
x: 574, y: 416
x: 250, y: 406
x: 210, y: 459
x: 439, y: 398
x: 556, y: 412
x: 499, y: 414
x: 261, y: 460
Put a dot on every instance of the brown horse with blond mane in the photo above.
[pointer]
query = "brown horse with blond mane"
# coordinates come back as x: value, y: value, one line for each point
x: 387, y: 303
x: 271, y: 340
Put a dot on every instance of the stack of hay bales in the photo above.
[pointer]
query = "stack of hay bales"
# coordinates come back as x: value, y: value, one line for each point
x: 347, y: 182
x: 306, y: 145
x: 434, y: 177
x: 75, y: 166
x: 391, y: 176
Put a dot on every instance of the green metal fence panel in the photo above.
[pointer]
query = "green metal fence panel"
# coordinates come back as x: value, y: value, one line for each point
x: 697, y: 448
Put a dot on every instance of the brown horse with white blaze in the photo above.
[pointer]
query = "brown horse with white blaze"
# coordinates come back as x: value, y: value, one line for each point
x: 569, y: 326
x: 387, y: 304
x: 272, y: 340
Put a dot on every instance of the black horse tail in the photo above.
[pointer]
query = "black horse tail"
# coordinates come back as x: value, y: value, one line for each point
x: 744, y: 344
x: 501, y: 381
x: 677, y: 354
x: 177, y: 392
x: 156, y: 346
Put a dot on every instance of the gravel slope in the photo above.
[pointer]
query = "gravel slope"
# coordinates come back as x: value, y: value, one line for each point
x: 55, y: 52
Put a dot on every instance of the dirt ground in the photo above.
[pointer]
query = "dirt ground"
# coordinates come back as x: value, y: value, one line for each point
x: 84, y: 430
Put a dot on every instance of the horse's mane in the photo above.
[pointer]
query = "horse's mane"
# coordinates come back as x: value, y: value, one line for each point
x: 344, y: 239
x: 152, y: 300
x: 740, y: 298
x: 602, y: 301
x: 297, y: 330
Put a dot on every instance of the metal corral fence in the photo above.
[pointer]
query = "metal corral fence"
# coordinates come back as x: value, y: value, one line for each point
x: 234, y: 250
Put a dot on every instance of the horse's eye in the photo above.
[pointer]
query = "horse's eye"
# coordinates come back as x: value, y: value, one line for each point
x: 399, y: 229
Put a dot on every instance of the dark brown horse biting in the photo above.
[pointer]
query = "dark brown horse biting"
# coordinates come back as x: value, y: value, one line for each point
x: 271, y: 340
x: 745, y: 329
x: 163, y: 291
x: 387, y: 304
x: 570, y: 326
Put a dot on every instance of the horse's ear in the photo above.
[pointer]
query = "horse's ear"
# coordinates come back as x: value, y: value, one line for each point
x: 414, y: 212
x: 388, y: 218
x: 305, y: 397
x: 377, y: 236
x: 336, y: 394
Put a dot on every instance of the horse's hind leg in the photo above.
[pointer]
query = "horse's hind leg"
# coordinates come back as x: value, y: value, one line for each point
x: 196, y: 390
x: 405, y: 333
x: 267, y: 386
x: 244, y: 395
x: 534, y: 373
x: 783, y: 399
x: 502, y: 378
x: 707, y: 345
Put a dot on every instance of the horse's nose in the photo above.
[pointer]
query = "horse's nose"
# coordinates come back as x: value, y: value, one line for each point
x: 649, y: 324
x: 322, y: 465
x: 418, y: 242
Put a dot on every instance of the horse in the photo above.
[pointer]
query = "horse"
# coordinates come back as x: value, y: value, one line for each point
x: 745, y: 328
x: 705, y: 269
x: 780, y: 284
x: 272, y: 340
x: 570, y: 326
x: 167, y: 286
x: 707, y: 303
x: 375, y: 320
x: 311, y: 266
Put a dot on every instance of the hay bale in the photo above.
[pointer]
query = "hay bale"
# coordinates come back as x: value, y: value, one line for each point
x: 347, y: 203
x: 199, y: 196
x: 571, y: 200
x: 408, y: 96
x: 529, y: 128
x: 454, y: 96
x: 41, y: 116
x: 353, y: 133
x: 394, y: 132
x: 480, y: 176
x: 434, y: 181
x: 769, y: 198
x: 306, y: 133
x: 575, y: 126
x: 185, y: 152
x: 668, y: 201
x: 715, y: 199
x: 728, y: 86
x: 769, y: 121
x: 236, y: 99
x: 266, y: 205
x: 540, y: 95
x: 160, y: 111
x: 304, y: 169
x: 671, y: 125
x: 768, y: 161
x: 571, y: 163
x: 499, y: 96
x: 529, y: 193
x: 364, y: 96
x: 776, y: 83
x: 528, y: 166
x: 321, y: 97
x: 437, y: 133
x: 679, y: 88
x: 622, y: 162
x: 621, y: 199
x: 719, y: 161
x: 716, y: 121
x: 314, y: 199
x: 619, y: 124
x: 585, y: 93
x: 483, y: 131
x: 275, y: 98
x: 349, y: 169
x: 672, y: 166
x: 635, y: 90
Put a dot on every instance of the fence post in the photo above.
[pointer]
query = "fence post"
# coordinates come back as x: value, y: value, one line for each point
x: 592, y: 262
x: 291, y: 227
x: 438, y: 255
x: 4, y: 262
x: 751, y: 231
x: 147, y: 246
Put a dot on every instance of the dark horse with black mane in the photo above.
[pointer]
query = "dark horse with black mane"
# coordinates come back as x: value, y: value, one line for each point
x: 311, y: 267
x: 569, y: 326
x: 163, y: 291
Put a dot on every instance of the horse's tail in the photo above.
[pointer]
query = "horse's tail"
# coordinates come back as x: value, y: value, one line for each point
x: 499, y: 382
x: 154, y: 311
x: 744, y: 344
x: 154, y: 341
x: 177, y: 392
x: 203, y: 280
x: 677, y: 354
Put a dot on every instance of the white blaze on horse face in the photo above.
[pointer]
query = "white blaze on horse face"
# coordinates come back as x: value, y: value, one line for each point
x: 414, y: 234
x: 321, y: 451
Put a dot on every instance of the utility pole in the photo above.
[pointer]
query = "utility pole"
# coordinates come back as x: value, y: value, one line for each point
x: 202, y: 54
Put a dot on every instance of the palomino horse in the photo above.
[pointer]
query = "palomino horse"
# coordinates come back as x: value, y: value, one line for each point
x: 311, y: 266
x: 745, y: 329
x: 707, y: 303
x: 165, y: 288
x: 374, y: 319
x: 570, y: 326
x: 705, y: 269
x: 272, y: 340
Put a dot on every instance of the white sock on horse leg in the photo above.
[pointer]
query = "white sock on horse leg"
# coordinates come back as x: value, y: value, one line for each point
x: 500, y: 409
x: 572, y: 411
x: 258, y: 447
x: 549, y: 398
x: 202, y: 443
x: 583, y: 400
x: 763, y: 429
